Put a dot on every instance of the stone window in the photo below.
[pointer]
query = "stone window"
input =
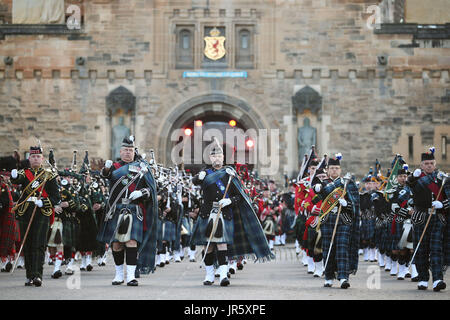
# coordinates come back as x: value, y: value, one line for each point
x: 184, y: 47
x: 244, y: 47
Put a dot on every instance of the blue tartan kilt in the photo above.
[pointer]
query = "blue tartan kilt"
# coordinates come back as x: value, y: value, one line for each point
x: 110, y: 226
x: 159, y: 229
x: 393, y: 239
x: 169, y: 231
x: 367, y: 229
x: 341, y: 246
x: 380, y: 237
x: 186, y: 225
x: 199, y: 238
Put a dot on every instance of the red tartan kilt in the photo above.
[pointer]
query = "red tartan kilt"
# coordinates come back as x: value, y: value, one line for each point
x: 9, y: 234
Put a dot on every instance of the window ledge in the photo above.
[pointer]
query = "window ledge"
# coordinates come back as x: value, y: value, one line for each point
x: 27, y: 29
x: 419, y: 31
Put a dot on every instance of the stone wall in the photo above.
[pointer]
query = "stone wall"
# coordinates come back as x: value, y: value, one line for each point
x: 368, y: 108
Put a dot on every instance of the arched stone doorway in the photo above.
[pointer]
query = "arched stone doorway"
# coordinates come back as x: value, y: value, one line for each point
x: 209, y: 106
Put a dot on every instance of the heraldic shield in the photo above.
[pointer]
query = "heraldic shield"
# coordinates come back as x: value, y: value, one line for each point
x: 215, y: 45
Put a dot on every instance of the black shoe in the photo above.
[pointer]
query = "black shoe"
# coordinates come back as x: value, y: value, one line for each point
x: 161, y: 264
x: 345, y: 285
x: 132, y: 283
x: 228, y: 275
x: 415, y: 279
x: 89, y: 267
x: 240, y: 266
x: 310, y: 272
x: 182, y: 258
x: 232, y: 271
x: 191, y: 260
x: 208, y: 283
x: 63, y: 263
x: 225, y: 282
x: 8, y: 267
x: 116, y: 283
x: 82, y: 269
x: 422, y: 287
x: 216, y: 275
x: 29, y: 283
x: 19, y: 267
x: 3, y: 270
x: 440, y: 286
x: 37, y: 282
x: 57, y: 274
x: 50, y: 263
x: 103, y: 264
x: 408, y: 275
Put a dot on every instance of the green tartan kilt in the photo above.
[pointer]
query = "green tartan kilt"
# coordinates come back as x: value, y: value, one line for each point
x: 69, y: 232
x: 312, y: 237
x: 300, y: 224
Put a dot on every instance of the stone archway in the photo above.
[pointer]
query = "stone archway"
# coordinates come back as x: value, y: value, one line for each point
x: 206, y: 105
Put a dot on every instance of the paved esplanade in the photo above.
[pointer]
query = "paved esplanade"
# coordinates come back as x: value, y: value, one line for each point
x: 285, y: 278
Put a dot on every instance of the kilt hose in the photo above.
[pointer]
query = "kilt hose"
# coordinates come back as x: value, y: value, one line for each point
x: 430, y: 252
x: 339, y: 260
x: 36, y: 242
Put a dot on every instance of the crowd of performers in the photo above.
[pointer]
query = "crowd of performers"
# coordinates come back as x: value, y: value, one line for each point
x: 150, y: 216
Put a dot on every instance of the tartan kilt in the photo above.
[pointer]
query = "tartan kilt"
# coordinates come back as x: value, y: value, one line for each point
x: 312, y: 237
x: 159, y: 229
x: 9, y: 233
x: 300, y: 229
x: 393, y: 239
x: 287, y: 221
x: 169, y: 231
x: 367, y: 229
x: 341, y: 246
x: 68, y: 233
x: 107, y: 234
x: 198, y: 236
x: 88, y: 232
x: 380, y: 237
x: 185, y: 223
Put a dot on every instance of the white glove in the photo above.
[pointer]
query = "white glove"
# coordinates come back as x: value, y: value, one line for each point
x: 224, y: 202
x: 318, y: 188
x: 343, y: 202
x: 14, y: 173
x: 135, y: 195
x: 230, y: 171
x: 202, y: 175
x: 437, y: 204
x: 417, y: 173
x: 39, y: 203
x: 108, y: 164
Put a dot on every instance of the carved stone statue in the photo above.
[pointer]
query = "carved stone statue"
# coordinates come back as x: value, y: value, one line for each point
x: 119, y: 132
x: 306, y: 138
